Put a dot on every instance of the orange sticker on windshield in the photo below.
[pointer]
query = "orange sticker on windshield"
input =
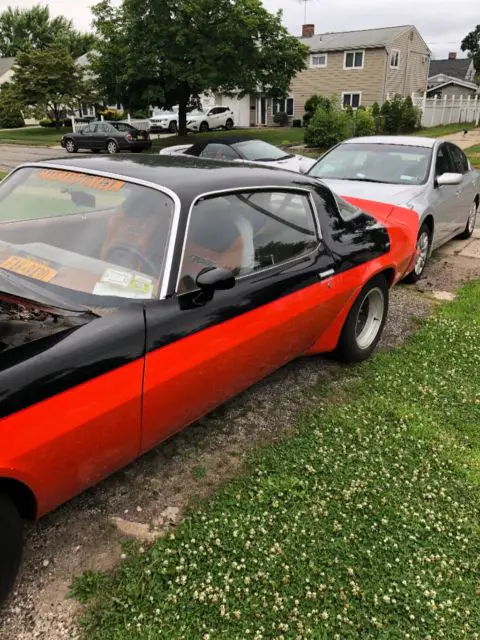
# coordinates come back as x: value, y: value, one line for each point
x: 29, y: 268
x: 81, y: 179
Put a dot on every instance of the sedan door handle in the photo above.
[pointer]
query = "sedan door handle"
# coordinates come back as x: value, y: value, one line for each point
x: 326, y: 274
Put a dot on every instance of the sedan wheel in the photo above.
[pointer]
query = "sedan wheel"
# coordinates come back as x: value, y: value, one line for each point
x: 470, y: 226
x: 112, y: 147
x: 172, y: 127
x: 423, y: 249
x: 70, y: 146
x: 364, y: 325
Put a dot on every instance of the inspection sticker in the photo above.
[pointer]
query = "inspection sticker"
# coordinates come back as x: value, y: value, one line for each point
x: 118, y: 278
x: 29, y: 268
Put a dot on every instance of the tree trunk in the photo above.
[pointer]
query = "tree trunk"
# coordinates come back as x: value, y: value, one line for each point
x: 182, y: 110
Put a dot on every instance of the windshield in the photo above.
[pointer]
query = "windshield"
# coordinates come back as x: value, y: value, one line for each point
x: 388, y: 163
x: 256, y: 150
x: 88, y: 239
x: 196, y: 112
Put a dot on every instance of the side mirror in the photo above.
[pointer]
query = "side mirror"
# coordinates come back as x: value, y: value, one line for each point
x: 215, y: 279
x: 448, y: 179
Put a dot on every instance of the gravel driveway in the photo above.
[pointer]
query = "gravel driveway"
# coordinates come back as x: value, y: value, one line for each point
x: 152, y: 491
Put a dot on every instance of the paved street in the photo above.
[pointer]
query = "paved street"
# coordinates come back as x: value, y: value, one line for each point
x: 11, y: 155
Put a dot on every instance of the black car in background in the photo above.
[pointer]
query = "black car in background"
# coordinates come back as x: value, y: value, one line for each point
x: 107, y: 136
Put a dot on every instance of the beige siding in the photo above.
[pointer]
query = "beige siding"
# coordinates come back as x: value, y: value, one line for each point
x: 455, y: 90
x: 334, y: 80
x: 412, y: 74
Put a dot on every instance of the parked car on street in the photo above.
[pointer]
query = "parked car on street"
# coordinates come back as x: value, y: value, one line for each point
x: 213, y: 118
x: 429, y: 176
x: 111, y: 137
x: 242, y: 148
x: 164, y: 122
x: 138, y: 294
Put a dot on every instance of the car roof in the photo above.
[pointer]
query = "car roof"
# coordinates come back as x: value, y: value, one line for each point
x: 186, y: 176
x: 411, y: 141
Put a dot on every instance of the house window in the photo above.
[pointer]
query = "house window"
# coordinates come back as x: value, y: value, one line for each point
x: 395, y: 59
x: 280, y: 105
x: 354, y: 59
x: 318, y: 61
x: 351, y: 99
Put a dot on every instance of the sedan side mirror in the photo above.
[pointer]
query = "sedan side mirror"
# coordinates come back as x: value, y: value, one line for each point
x: 215, y: 279
x: 448, y: 179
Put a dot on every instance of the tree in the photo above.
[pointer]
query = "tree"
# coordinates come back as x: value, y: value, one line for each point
x: 49, y: 82
x: 471, y: 43
x: 164, y: 52
x: 23, y: 29
x: 11, y: 115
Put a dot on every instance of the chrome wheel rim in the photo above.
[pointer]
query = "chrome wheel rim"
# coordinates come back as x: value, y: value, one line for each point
x: 472, y: 218
x: 69, y: 146
x: 370, y: 318
x: 423, y: 243
x: 112, y: 147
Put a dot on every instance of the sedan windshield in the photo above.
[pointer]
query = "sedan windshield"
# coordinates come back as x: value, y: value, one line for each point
x: 196, y: 112
x: 88, y: 239
x: 368, y: 162
x: 257, y: 150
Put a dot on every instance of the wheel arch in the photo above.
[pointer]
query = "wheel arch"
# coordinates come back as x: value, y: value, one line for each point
x: 430, y: 222
x: 22, y: 497
x: 477, y: 200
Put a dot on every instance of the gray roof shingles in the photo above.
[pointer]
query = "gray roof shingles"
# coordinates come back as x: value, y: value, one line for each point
x: 365, y: 39
x: 453, y: 68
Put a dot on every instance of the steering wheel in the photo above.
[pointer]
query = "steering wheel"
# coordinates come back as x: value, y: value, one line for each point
x: 152, y: 269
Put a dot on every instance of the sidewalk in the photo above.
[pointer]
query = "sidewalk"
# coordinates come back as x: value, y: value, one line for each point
x: 471, y: 138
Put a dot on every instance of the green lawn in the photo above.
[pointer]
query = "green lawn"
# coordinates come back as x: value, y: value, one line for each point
x: 2, y: 174
x: 444, y: 130
x: 33, y: 136
x: 365, y: 524
x: 473, y: 153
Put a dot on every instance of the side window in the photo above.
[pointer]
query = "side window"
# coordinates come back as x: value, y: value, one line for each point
x: 90, y: 128
x: 219, y: 152
x: 460, y: 162
x: 247, y: 232
x: 443, y: 163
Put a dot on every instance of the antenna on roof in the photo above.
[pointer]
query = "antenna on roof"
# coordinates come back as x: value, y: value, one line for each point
x: 304, y: 9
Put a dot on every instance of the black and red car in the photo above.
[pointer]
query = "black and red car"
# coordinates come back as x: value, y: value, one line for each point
x: 111, y: 137
x: 137, y: 294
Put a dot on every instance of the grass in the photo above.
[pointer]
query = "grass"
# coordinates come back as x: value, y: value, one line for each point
x: 473, y: 154
x: 444, y: 130
x: 33, y: 136
x: 2, y: 175
x: 363, y: 525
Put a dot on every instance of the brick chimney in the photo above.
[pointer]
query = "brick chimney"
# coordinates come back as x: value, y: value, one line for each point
x: 308, y: 30
x: 452, y: 55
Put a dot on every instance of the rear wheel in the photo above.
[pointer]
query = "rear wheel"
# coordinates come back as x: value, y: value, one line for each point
x: 70, y: 146
x: 229, y: 124
x: 11, y: 545
x: 172, y: 127
x: 204, y: 127
x: 364, y: 325
x: 470, y: 226
x: 112, y: 147
x: 424, y: 240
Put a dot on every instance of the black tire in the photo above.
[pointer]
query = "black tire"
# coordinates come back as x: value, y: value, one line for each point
x: 229, y: 124
x: 112, y: 147
x: 204, y: 127
x: 11, y: 545
x: 172, y: 127
x: 70, y: 146
x: 417, y: 273
x: 470, y: 226
x: 353, y: 345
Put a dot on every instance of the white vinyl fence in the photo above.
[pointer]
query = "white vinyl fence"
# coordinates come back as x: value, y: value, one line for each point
x: 448, y: 109
x: 143, y: 125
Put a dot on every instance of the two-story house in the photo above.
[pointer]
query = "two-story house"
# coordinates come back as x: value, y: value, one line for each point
x: 452, y: 77
x: 359, y: 67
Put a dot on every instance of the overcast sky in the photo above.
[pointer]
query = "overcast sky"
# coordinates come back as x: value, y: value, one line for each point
x: 442, y: 23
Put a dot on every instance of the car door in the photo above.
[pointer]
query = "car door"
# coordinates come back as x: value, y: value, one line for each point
x: 214, y: 118
x: 444, y: 199
x: 99, y: 138
x: 88, y: 136
x: 466, y: 191
x: 201, y: 351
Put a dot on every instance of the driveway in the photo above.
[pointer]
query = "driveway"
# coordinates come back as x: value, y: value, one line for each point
x: 464, y: 141
x: 11, y: 155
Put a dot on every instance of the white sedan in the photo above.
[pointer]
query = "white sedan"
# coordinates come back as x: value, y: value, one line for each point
x: 242, y: 149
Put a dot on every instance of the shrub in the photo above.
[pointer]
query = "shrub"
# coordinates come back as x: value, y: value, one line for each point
x: 312, y: 104
x: 67, y: 122
x: 297, y: 124
x: 113, y: 114
x: 364, y: 123
x: 140, y: 115
x: 410, y: 117
x: 328, y: 127
x: 375, y: 110
x: 281, y: 119
x: 46, y: 122
x: 11, y: 119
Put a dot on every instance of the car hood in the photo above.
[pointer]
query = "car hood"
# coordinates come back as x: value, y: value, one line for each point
x: 398, y: 194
